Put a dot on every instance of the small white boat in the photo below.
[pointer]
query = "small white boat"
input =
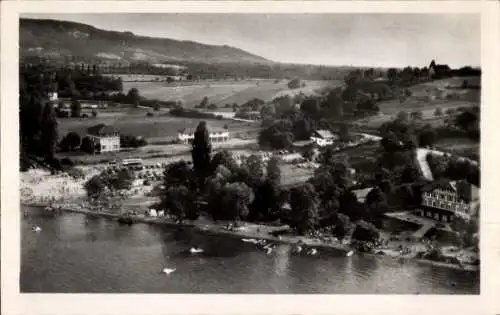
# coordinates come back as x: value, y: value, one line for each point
x: 36, y: 228
x: 350, y: 253
x: 269, y: 250
x: 168, y: 271
x: 195, y: 250
x: 313, y: 251
x: 298, y: 249
x: 249, y: 240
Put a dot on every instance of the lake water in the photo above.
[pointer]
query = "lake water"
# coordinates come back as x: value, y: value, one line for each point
x: 102, y: 256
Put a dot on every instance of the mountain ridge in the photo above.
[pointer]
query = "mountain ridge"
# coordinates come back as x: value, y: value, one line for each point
x: 55, y: 39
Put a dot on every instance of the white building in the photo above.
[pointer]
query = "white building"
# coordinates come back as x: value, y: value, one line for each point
x: 323, y: 137
x: 443, y: 200
x: 106, y: 138
x: 186, y: 136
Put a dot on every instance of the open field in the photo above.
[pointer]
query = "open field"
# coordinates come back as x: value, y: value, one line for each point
x: 461, y: 147
x: 222, y: 92
x: 426, y: 98
x: 136, y: 123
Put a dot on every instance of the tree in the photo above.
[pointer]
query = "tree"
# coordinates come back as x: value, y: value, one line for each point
x: 304, y: 209
x: 49, y: 131
x: 273, y: 171
x: 133, y: 96
x: 255, y: 167
x: 95, y: 187
x: 427, y: 136
x: 267, y: 202
x: 365, y: 231
x: 438, y: 112
x: 341, y: 227
x: 71, y: 141
x: 416, y: 115
x: 201, y: 151
x: 223, y: 158
x: 392, y: 74
x: 204, y: 103
x: 310, y: 107
x: 450, y: 112
x: 76, y: 108
x: 267, y: 111
x: 87, y: 145
x: 212, y: 106
x: 179, y: 202
x: 294, y: 84
x: 235, y: 199
x: 376, y: 203
x: 402, y: 116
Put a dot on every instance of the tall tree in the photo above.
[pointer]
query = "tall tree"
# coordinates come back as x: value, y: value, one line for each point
x: 76, y: 108
x: 273, y: 171
x: 304, y: 209
x: 201, y: 151
x: 49, y: 133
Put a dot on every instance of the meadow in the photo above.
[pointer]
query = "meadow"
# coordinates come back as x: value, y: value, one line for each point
x: 223, y: 91
x: 134, y: 122
x: 426, y: 98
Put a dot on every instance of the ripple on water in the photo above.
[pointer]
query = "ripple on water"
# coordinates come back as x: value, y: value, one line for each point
x: 70, y: 255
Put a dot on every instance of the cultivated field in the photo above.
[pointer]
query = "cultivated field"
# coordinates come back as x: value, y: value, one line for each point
x: 426, y: 98
x: 135, y: 123
x: 222, y: 92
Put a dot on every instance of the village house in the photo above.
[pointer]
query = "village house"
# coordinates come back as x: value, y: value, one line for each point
x: 436, y: 70
x: 445, y: 200
x: 186, y: 136
x: 105, y: 138
x: 323, y: 137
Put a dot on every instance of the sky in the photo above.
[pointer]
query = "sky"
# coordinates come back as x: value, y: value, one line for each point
x: 361, y: 39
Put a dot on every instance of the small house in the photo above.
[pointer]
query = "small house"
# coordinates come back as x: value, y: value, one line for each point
x: 105, y: 138
x: 323, y: 137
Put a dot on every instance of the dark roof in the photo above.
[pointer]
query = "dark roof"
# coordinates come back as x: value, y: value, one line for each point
x: 464, y: 190
x: 101, y: 130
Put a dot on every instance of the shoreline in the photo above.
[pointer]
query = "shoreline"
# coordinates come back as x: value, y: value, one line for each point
x: 217, y: 229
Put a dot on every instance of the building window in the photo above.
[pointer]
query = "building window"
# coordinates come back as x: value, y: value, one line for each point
x: 436, y: 216
x: 103, y: 147
x: 445, y: 218
x: 429, y: 214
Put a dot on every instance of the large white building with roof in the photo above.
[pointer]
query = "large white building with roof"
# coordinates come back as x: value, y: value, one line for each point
x: 105, y: 138
x: 216, y: 136
x: 323, y: 137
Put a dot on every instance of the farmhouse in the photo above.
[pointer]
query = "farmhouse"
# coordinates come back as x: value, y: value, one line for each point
x: 186, y: 136
x: 436, y: 70
x: 445, y: 200
x: 105, y: 138
x: 323, y: 137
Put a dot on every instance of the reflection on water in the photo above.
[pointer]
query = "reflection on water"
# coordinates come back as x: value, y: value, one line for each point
x: 74, y: 253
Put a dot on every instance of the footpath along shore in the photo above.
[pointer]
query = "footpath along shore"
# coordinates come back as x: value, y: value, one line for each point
x: 262, y: 232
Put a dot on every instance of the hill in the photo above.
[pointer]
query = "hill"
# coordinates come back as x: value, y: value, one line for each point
x: 54, y: 40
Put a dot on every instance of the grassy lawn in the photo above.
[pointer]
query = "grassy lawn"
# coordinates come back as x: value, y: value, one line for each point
x: 460, y: 146
x: 222, y: 92
x: 136, y: 123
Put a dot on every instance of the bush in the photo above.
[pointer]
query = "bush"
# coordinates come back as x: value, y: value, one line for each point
x: 365, y: 231
x: 294, y: 84
x: 132, y: 142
